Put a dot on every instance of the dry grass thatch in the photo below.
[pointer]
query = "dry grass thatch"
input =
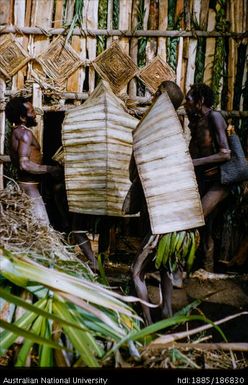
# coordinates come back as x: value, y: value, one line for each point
x: 21, y: 233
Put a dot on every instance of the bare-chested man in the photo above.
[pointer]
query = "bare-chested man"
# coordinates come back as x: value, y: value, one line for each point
x: 26, y: 154
x: 208, y: 148
x: 134, y: 202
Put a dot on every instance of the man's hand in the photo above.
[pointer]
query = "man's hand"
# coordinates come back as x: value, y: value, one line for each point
x: 57, y: 172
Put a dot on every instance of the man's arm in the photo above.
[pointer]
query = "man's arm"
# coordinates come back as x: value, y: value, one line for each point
x: 24, y: 150
x: 219, y: 127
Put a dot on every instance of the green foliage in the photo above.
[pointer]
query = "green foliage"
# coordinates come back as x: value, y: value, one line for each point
x: 84, y: 317
x: 116, y: 8
x: 102, y: 24
x: 177, y: 249
x: 173, y: 24
x: 200, y: 54
x: 77, y: 18
x: 218, y: 66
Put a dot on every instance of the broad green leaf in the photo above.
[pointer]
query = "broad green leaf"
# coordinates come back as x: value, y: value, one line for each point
x: 46, y: 352
x: 20, y: 302
x: 83, y: 342
x: 7, y: 338
x: 23, y: 353
x: 27, y: 270
x: 26, y: 334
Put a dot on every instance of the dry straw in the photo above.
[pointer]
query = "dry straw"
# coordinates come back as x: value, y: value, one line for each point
x: 22, y: 234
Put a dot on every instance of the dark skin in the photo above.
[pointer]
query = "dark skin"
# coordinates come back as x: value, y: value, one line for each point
x: 208, y: 148
x: 143, y: 261
x: 23, y: 142
x: 23, y: 139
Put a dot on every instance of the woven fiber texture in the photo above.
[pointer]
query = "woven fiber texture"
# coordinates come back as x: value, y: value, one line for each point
x: 236, y: 169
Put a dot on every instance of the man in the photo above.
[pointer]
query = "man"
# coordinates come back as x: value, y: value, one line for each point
x: 134, y: 202
x: 208, y: 149
x: 26, y: 155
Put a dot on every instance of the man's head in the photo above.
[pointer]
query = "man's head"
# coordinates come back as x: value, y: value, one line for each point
x: 198, y: 96
x: 20, y: 110
x: 173, y: 90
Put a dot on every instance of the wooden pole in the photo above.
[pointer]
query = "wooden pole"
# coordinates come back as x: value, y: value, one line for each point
x: 37, y: 102
x: 19, y: 20
x: 134, y: 50
x: 2, y: 128
x: 91, y: 22
x: 110, y: 21
x: 76, y: 80
x: 210, y: 49
x: 192, y: 49
x: 118, y: 32
x: 163, y: 23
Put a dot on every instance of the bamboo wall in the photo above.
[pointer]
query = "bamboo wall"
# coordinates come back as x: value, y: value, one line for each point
x: 202, y: 40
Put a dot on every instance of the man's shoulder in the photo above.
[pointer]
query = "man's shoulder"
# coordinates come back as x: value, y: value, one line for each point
x: 23, y: 134
x: 216, y: 116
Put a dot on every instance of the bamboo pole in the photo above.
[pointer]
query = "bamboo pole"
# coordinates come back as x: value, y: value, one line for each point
x: 125, y: 16
x: 231, y: 61
x: 204, y: 14
x: 58, y: 17
x: 40, y: 43
x: 2, y: 128
x: 19, y: 20
x: 117, y: 32
x: 185, y: 45
x: 179, y: 11
x: 76, y: 80
x: 210, y: 49
x: 190, y: 74
x: 91, y: 9
x: 145, y: 26
x: 37, y: 102
x: 151, y: 47
x: 163, y: 23
x: 134, y: 50
x: 5, y: 13
x: 110, y: 21
x: 179, y: 62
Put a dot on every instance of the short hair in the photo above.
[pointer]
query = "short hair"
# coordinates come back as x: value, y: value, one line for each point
x: 15, y: 108
x: 201, y: 90
x: 174, y: 91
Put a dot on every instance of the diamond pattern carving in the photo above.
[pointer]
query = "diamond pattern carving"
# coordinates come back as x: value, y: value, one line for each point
x: 12, y: 56
x: 59, y: 61
x: 155, y: 73
x: 116, y: 67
